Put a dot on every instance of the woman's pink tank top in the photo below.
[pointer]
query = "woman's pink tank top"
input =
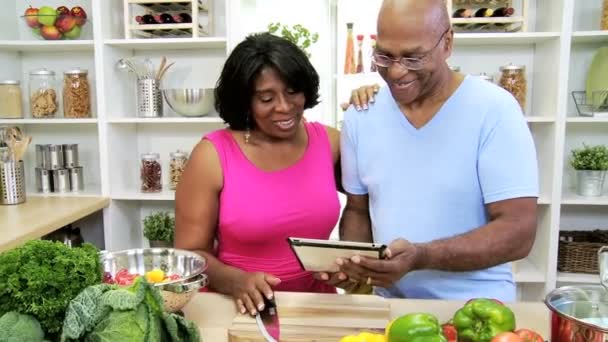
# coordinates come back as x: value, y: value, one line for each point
x: 259, y: 210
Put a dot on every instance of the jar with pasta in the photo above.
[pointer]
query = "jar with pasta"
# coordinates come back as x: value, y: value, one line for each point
x: 604, y: 21
x: 513, y: 79
x: 43, y: 97
x: 76, y: 94
x: 151, y: 173
x: 177, y: 165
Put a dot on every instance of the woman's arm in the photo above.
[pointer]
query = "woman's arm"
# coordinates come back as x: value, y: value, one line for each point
x: 334, y: 141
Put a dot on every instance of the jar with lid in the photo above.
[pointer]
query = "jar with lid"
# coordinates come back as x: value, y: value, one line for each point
x: 486, y: 77
x: 43, y: 97
x: 176, y: 167
x: 76, y: 94
x: 10, y: 100
x: 604, y: 21
x: 151, y: 173
x: 513, y: 79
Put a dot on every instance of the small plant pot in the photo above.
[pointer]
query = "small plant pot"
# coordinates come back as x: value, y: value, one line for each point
x: 590, y: 182
x: 160, y: 244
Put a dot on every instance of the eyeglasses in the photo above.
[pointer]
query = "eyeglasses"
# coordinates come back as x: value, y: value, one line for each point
x: 410, y: 63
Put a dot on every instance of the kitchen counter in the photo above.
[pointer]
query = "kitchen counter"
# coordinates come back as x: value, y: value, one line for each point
x: 215, y: 313
x: 40, y: 215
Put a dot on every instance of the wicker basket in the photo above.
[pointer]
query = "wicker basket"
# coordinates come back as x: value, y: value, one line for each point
x: 577, y: 251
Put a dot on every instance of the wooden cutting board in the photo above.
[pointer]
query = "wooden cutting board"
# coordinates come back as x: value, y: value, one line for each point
x: 315, y: 317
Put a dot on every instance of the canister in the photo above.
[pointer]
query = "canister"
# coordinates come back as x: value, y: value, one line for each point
x: 54, y: 160
x: 42, y: 152
x: 76, y: 179
x: 61, y: 180
x: 513, y: 79
x: 43, y: 97
x: 44, y: 183
x: 70, y: 155
x: 10, y: 100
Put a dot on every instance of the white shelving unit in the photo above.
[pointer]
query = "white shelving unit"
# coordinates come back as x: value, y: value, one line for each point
x: 556, y: 49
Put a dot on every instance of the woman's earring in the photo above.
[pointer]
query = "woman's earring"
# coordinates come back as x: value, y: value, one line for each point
x: 247, y: 131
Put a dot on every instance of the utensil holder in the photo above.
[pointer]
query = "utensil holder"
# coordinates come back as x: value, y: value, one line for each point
x: 12, y: 183
x: 149, y: 98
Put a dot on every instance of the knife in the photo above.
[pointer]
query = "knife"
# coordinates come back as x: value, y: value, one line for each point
x: 268, y: 321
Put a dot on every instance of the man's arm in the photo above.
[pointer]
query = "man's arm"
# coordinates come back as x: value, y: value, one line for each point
x: 508, y: 236
x: 355, y: 224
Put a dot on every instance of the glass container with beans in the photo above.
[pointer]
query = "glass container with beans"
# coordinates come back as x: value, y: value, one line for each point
x: 176, y: 167
x: 76, y: 94
x: 43, y: 97
x: 513, y: 79
x: 151, y: 173
x: 10, y: 100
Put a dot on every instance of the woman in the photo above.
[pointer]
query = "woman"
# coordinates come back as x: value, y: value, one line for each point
x: 268, y: 176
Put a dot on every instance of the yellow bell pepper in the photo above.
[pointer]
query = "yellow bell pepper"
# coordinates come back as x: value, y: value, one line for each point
x: 364, y: 337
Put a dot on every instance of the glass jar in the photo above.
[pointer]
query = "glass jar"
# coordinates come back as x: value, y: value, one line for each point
x: 604, y: 19
x: 151, y: 173
x: 176, y: 167
x: 43, y: 97
x: 486, y: 77
x: 10, y: 100
x: 76, y: 94
x: 513, y: 79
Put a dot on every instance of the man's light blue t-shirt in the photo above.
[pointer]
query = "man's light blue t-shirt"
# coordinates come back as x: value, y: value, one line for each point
x: 433, y: 182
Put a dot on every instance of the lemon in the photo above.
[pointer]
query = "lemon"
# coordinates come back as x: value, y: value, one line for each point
x: 155, y: 276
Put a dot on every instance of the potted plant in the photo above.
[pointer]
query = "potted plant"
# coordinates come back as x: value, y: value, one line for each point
x: 159, y: 229
x: 297, y: 34
x: 590, y: 163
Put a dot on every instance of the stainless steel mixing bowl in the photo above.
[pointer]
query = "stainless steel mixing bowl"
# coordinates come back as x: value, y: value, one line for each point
x: 189, y: 102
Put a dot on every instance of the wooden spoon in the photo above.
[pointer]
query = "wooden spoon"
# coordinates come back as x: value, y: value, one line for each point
x: 162, y: 74
x: 163, y: 61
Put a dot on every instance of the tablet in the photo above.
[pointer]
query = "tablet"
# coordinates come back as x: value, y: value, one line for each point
x: 320, y: 255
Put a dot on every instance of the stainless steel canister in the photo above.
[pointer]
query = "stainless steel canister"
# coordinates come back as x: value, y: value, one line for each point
x: 44, y: 181
x: 149, y: 98
x: 41, y: 152
x: 76, y: 179
x: 12, y: 182
x: 70, y: 155
x: 54, y: 160
x: 61, y: 180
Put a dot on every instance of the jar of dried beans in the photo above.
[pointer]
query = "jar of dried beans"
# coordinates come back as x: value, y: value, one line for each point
x: 151, y: 173
x: 76, y: 94
x: 176, y: 167
x: 513, y: 79
x: 43, y: 97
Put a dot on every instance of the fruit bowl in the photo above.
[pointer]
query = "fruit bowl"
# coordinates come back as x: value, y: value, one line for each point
x: 54, y: 24
x: 186, y: 266
x: 189, y: 102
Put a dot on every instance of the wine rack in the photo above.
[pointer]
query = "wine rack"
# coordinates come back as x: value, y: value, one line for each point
x: 168, y: 18
x: 486, y: 16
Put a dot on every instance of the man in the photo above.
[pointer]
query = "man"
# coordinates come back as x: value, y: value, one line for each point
x: 442, y: 168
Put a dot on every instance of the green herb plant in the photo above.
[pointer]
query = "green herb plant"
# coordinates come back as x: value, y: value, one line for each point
x: 159, y: 227
x: 590, y: 158
x: 41, y: 277
x: 297, y: 34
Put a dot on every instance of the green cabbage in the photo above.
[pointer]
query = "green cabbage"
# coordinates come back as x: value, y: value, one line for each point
x: 17, y: 327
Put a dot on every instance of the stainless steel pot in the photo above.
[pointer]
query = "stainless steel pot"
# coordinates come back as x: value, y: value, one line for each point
x: 580, y: 313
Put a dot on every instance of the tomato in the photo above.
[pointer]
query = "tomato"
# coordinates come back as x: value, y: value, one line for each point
x: 123, y: 277
x: 528, y: 335
x: 173, y: 277
x: 507, y: 337
x: 449, y: 331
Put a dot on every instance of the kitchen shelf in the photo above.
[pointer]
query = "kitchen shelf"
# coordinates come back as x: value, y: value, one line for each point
x: 168, y: 43
x: 135, y: 195
x: 526, y: 272
x: 90, y: 191
x: 166, y: 120
x: 547, y: 119
x: 48, y: 121
x: 581, y: 278
x: 570, y: 198
x: 590, y: 36
x: 517, y: 38
x: 46, y: 45
x: 584, y: 120
x: 544, y: 200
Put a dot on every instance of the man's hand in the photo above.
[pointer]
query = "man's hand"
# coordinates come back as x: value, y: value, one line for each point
x: 401, y: 258
x: 338, y: 279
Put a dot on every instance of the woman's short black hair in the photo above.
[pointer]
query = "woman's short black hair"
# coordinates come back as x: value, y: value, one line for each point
x: 235, y: 87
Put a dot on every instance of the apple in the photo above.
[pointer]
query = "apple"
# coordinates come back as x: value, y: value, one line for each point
x: 31, y: 17
x: 36, y: 31
x: 73, y: 33
x: 47, y: 15
x: 63, y: 10
x: 80, y: 15
x: 50, y: 32
x: 65, y: 23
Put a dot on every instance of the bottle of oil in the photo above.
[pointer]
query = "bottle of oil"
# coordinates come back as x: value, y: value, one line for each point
x: 349, y: 56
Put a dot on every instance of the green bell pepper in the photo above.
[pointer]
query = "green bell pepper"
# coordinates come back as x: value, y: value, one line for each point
x: 416, y: 327
x: 479, y: 320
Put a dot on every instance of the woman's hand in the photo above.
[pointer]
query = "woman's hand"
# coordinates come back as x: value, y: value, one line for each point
x: 250, y: 288
x: 362, y: 96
